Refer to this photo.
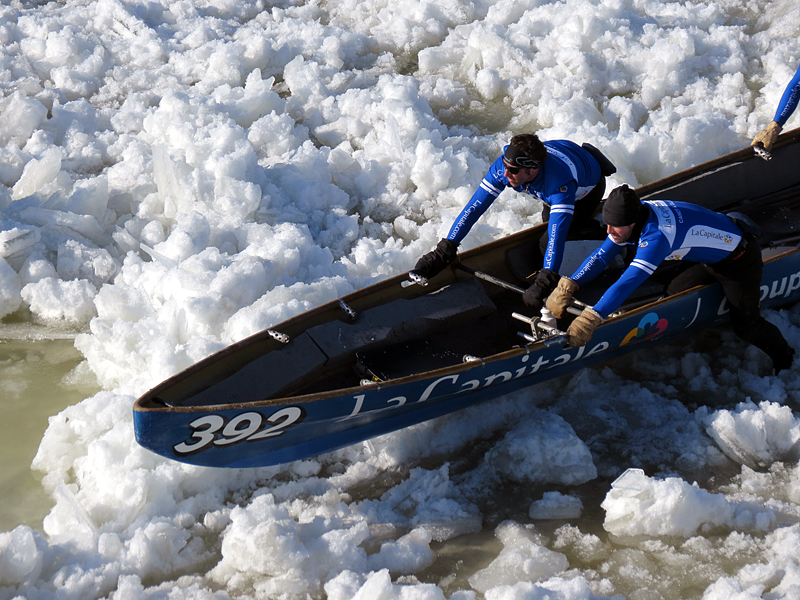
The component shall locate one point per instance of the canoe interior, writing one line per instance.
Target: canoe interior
(401, 331)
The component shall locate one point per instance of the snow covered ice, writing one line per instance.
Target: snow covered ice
(180, 174)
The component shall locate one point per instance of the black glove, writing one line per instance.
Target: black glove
(434, 262)
(545, 282)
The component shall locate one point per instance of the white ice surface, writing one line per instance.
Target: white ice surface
(177, 175)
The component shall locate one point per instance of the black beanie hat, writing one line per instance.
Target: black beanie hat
(622, 207)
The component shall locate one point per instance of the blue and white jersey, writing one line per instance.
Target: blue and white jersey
(673, 231)
(568, 173)
(789, 100)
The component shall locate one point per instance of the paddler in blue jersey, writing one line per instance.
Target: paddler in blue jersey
(663, 230)
(787, 105)
(570, 182)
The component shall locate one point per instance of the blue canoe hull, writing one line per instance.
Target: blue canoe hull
(269, 433)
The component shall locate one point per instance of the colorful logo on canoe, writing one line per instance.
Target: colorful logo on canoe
(649, 327)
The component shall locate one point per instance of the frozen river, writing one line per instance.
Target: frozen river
(177, 175)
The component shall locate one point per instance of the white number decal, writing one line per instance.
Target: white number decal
(232, 433)
(204, 437)
(216, 430)
(290, 416)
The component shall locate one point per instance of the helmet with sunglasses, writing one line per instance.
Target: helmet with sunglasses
(525, 151)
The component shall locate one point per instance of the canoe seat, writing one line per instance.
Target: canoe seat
(403, 320)
(330, 346)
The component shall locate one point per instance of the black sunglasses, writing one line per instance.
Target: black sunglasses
(514, 170)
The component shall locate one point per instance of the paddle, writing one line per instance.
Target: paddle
(514, 288)
(413, 279)
(490, 279)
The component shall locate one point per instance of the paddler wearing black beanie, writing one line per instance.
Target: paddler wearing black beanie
(721, 248)
(623, 207)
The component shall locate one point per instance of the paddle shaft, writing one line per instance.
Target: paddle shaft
(510, 286)
(491, 279)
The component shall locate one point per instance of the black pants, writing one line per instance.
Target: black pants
(741, 282)
(583, 225)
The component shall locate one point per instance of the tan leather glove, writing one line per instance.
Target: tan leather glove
(768, 136)
(561, 297)
(581, 329)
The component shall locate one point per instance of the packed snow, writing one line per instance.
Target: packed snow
(180, 174)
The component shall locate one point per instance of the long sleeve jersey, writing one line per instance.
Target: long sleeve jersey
(789, 100)
(568, 173)
(673, 231)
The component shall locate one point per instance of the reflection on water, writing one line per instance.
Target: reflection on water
(41, 373)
